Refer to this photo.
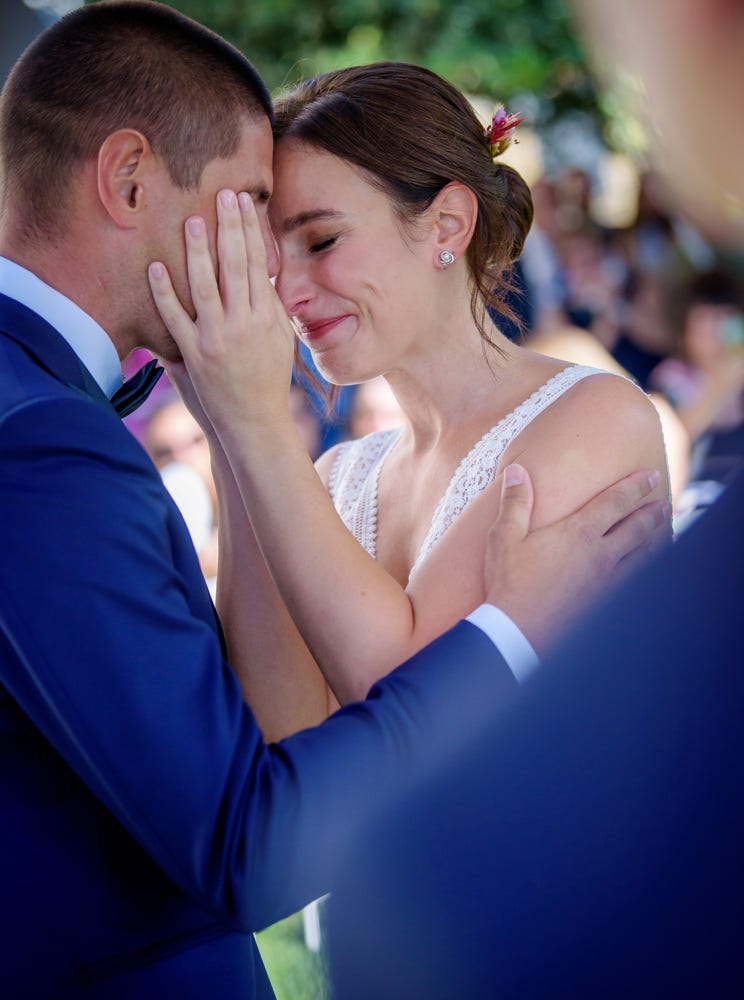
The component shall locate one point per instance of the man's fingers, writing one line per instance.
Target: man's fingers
(632, 539)
(614, 504)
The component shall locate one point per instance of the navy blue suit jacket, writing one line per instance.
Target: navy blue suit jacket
(587, 843)
(145, 828)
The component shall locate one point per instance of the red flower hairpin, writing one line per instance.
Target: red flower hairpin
(500, 133)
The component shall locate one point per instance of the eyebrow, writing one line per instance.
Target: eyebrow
(302, 218)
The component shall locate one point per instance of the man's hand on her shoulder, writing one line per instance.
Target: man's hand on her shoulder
(545, 579)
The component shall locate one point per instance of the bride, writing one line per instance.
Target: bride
(396, 226)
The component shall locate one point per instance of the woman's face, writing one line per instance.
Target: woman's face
(356, 283)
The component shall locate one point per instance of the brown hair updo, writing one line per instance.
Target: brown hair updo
(412, 133)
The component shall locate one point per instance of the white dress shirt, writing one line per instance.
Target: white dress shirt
(508, 638)
(88, 340)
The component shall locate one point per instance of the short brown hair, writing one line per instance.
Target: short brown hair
(412, 132)
(122, 64)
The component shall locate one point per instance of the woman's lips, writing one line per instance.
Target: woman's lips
(317, 328)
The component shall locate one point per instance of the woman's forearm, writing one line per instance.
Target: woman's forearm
(357, 620)
(277, 673)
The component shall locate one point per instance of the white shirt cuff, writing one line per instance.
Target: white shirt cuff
(508, 638)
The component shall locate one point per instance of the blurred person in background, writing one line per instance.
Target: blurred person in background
(544, 286)
(306, 417)
(179, 448)
(639, 331)
(374, 408)
(704, 380)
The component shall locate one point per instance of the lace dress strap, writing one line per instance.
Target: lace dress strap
(354, 480)
(477, 470)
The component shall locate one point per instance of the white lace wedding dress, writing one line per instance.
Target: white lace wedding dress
(356, 470)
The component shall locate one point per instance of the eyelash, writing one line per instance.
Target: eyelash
(260, 198)
(322, 245)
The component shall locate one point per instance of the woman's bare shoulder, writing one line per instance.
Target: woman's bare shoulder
(600, 430)
(613, 392)
(599, 404)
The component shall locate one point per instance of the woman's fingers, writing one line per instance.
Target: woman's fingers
(212, 294)
(265, 301)
(258, 274)
(232, 256)
(244, 280)
(205, 292)
(172, 313)
(239, 347)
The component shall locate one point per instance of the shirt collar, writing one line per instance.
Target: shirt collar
(88, 340)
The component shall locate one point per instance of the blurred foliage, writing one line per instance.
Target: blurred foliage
(495, 48)
(295, 972)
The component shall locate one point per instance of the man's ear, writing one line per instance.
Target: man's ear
(125, 164)
(454, 213)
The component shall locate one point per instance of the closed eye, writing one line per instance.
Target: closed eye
(323, 245)
(259, 195)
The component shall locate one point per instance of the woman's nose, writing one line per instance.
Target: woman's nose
(292, 285)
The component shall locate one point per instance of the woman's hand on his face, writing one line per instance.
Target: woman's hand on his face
(239, 349)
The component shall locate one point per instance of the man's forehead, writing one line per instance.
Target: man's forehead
(256, 156)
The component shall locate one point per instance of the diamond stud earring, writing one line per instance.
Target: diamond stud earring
(446, 257)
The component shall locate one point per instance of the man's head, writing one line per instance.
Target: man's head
(127, 64)
(120, 120)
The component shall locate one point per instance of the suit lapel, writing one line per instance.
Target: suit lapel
(48, 347)
(50, 350)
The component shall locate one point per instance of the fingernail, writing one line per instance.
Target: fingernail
(244, 199)
(653, 478)
(195, 226)
(228, 199)
(666, 511)
(157, 270)
(513, 475)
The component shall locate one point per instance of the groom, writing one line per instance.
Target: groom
(146, 828)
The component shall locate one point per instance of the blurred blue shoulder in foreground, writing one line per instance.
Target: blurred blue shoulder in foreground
(588, 843)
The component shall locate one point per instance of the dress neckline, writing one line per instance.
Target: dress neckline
(355, 478)
(561, 380)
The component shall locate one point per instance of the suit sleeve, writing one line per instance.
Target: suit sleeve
(126, 680)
